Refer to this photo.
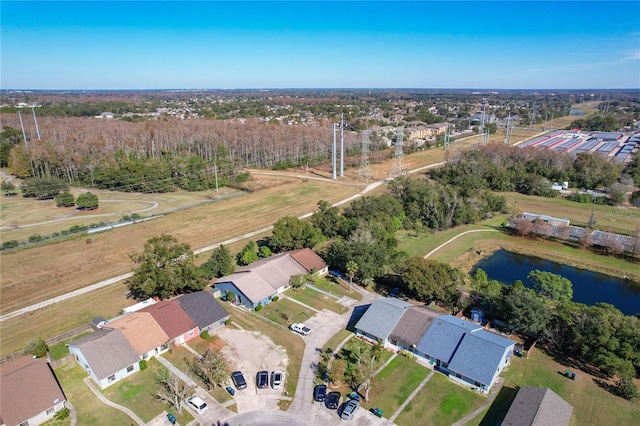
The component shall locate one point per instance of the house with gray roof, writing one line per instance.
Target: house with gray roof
(462, 350)
(106, 355)
(380, 319)
(257, 283)
(536, 406)
(204, 310)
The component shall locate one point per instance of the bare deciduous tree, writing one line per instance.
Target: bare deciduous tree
(173, 390)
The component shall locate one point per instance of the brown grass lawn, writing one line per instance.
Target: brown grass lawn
(38, 273)
(56, 319)
(315, 299)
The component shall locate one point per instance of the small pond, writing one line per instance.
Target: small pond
(588, 287)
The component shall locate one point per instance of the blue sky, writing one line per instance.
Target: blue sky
(331, 44)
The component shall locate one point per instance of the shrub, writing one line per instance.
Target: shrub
(627, 389)
(35, 238)
(258, 308)
(62, 414)
(205, 335)
(10, 244)
(65, 199)
(275, 299)
(143, 364)
(36, 347)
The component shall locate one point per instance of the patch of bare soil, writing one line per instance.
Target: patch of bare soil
(252, 351)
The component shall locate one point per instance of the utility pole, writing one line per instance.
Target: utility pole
(215, 172)
(333, 154)
(341, 145)
(36, 120)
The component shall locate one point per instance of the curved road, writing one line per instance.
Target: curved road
(114, 280)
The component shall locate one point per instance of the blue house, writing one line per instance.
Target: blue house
(464, 351)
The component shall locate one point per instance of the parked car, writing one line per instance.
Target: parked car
(262, 379)
(335, 273)
(300, 328)
(277, 379)
(349, 409)
(238, 380)
(320, 392)
(197, 403)
(332, 400)
(394, 292)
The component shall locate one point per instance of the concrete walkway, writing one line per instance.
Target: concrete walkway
(492, 395)
(72, 412)
(105, 401)
(413, 394)
(456, 237)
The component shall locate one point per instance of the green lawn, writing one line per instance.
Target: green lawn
(285, 312)
(592, 405)
(89, 409)
(441, 402)
(137, 392)
(394, 384)
(337, 287)
(315, 299)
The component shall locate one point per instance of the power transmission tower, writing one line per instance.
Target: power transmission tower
(364, 173)
(533, 115)
(507, 133)
(397, 168)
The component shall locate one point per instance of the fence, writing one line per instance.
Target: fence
(52, 341)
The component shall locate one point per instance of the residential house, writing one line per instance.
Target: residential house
(30, 393)
(173, 320)
(536, 406)
(144, 334)
(258, 283)
(461, 349)
(106, 355)
(465, 351)
(205, 311)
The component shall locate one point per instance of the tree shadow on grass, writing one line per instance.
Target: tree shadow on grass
(499, 407)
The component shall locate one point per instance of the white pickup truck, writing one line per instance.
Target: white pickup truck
(300, 328)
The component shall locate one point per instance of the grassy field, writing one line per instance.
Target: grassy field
(137, 392)
(89, 409)
(285, 312)
(61, 317)
(393, 385)
(624, 220)
(336, 287)
(440, 403)
(315, 299)
(73, 264)
(592, 405)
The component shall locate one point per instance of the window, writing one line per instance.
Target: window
(50, 411)
(190, 334)
(130, 369)
(25, 423)
(145, 356)
(111, 378)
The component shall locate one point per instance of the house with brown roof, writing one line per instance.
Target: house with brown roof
(144, 334)
(30, 393)
(258, 283)
(536, 406)
(106, 355)
(173, 320)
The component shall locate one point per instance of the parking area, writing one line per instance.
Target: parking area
(250, 352)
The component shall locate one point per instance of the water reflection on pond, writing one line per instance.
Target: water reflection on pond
(588, 287)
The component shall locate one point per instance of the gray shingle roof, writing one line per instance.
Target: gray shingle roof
(382, 316)
(535, 406)
(203, 308)
(107, 351)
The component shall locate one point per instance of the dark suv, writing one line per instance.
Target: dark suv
(262, 379)
(238, 380)
(332, 400)
(320, 392)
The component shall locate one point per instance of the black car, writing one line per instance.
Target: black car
(332, 400)
(262, 379)
(319, 393)
(238, 380)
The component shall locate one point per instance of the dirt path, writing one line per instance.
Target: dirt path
(458, 236)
